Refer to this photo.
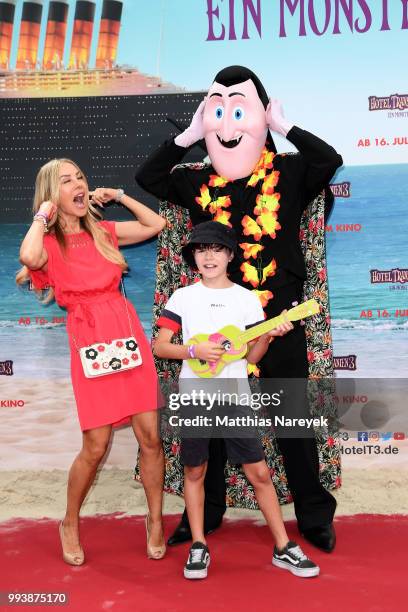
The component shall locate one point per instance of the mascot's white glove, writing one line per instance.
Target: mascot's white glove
(195, 131)
(275, 119)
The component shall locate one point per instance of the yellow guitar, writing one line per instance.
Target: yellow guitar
(234, 340)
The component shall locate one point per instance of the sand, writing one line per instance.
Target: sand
(39, 440)
(37, 494)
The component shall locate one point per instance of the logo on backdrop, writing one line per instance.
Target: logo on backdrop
(341, 190)
(393, 102)
(12, 403)
(376, 436)
(345, 362)
(396, 275)
(344, 227)
(6, 368)
(225, 19)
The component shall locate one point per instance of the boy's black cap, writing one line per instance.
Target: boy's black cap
(209, 232)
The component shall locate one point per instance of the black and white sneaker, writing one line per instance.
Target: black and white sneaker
(197, 562)
(294, 559)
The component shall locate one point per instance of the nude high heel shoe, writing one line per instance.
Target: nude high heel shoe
(76, 558)
(153, 552)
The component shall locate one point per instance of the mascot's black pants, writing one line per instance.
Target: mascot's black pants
(314, 506)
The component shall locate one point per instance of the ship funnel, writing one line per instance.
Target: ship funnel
(6, 32)
(29, 35)
(82, 34)
(55, 35)
(109, 34)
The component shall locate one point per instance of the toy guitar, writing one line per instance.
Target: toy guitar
(234, 340)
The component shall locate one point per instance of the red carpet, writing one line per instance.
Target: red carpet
(367, 571)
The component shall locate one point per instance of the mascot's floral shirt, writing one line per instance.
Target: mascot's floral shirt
(281, 236)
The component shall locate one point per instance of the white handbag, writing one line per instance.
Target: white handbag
(119, 355)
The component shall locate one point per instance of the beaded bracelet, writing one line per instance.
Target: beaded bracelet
(40, 213)
(41, 217)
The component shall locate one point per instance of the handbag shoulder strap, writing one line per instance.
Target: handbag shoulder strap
(126, 304)
(127, 312)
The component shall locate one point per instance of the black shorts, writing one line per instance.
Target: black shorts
(242, 442)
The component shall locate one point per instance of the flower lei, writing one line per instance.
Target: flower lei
(265, 222)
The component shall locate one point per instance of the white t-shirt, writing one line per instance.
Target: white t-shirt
(198, 309)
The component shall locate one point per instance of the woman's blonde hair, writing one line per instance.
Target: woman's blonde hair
(47, 187)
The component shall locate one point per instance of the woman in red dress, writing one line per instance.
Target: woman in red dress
(75, 254)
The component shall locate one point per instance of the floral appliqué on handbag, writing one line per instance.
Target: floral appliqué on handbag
(109, 357)
(117, 355)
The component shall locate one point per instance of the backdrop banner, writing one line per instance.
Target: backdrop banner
(105, 82)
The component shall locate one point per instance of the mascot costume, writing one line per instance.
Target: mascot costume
(276, 202)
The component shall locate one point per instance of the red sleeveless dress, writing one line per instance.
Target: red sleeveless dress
(86, 284)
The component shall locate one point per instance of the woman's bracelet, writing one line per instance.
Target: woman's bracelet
(40, 213)
(191, 351)
(44, 220)
(119, 195)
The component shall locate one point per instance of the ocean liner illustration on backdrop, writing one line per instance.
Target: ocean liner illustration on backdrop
(36, 74)
(62, 93)
(115, 114)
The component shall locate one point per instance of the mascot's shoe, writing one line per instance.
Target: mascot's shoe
(322, 537)
(182, 533)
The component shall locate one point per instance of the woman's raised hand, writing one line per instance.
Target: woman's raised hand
(102, 195)
(48, 208)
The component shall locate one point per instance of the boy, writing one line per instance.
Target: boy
(205, 307)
